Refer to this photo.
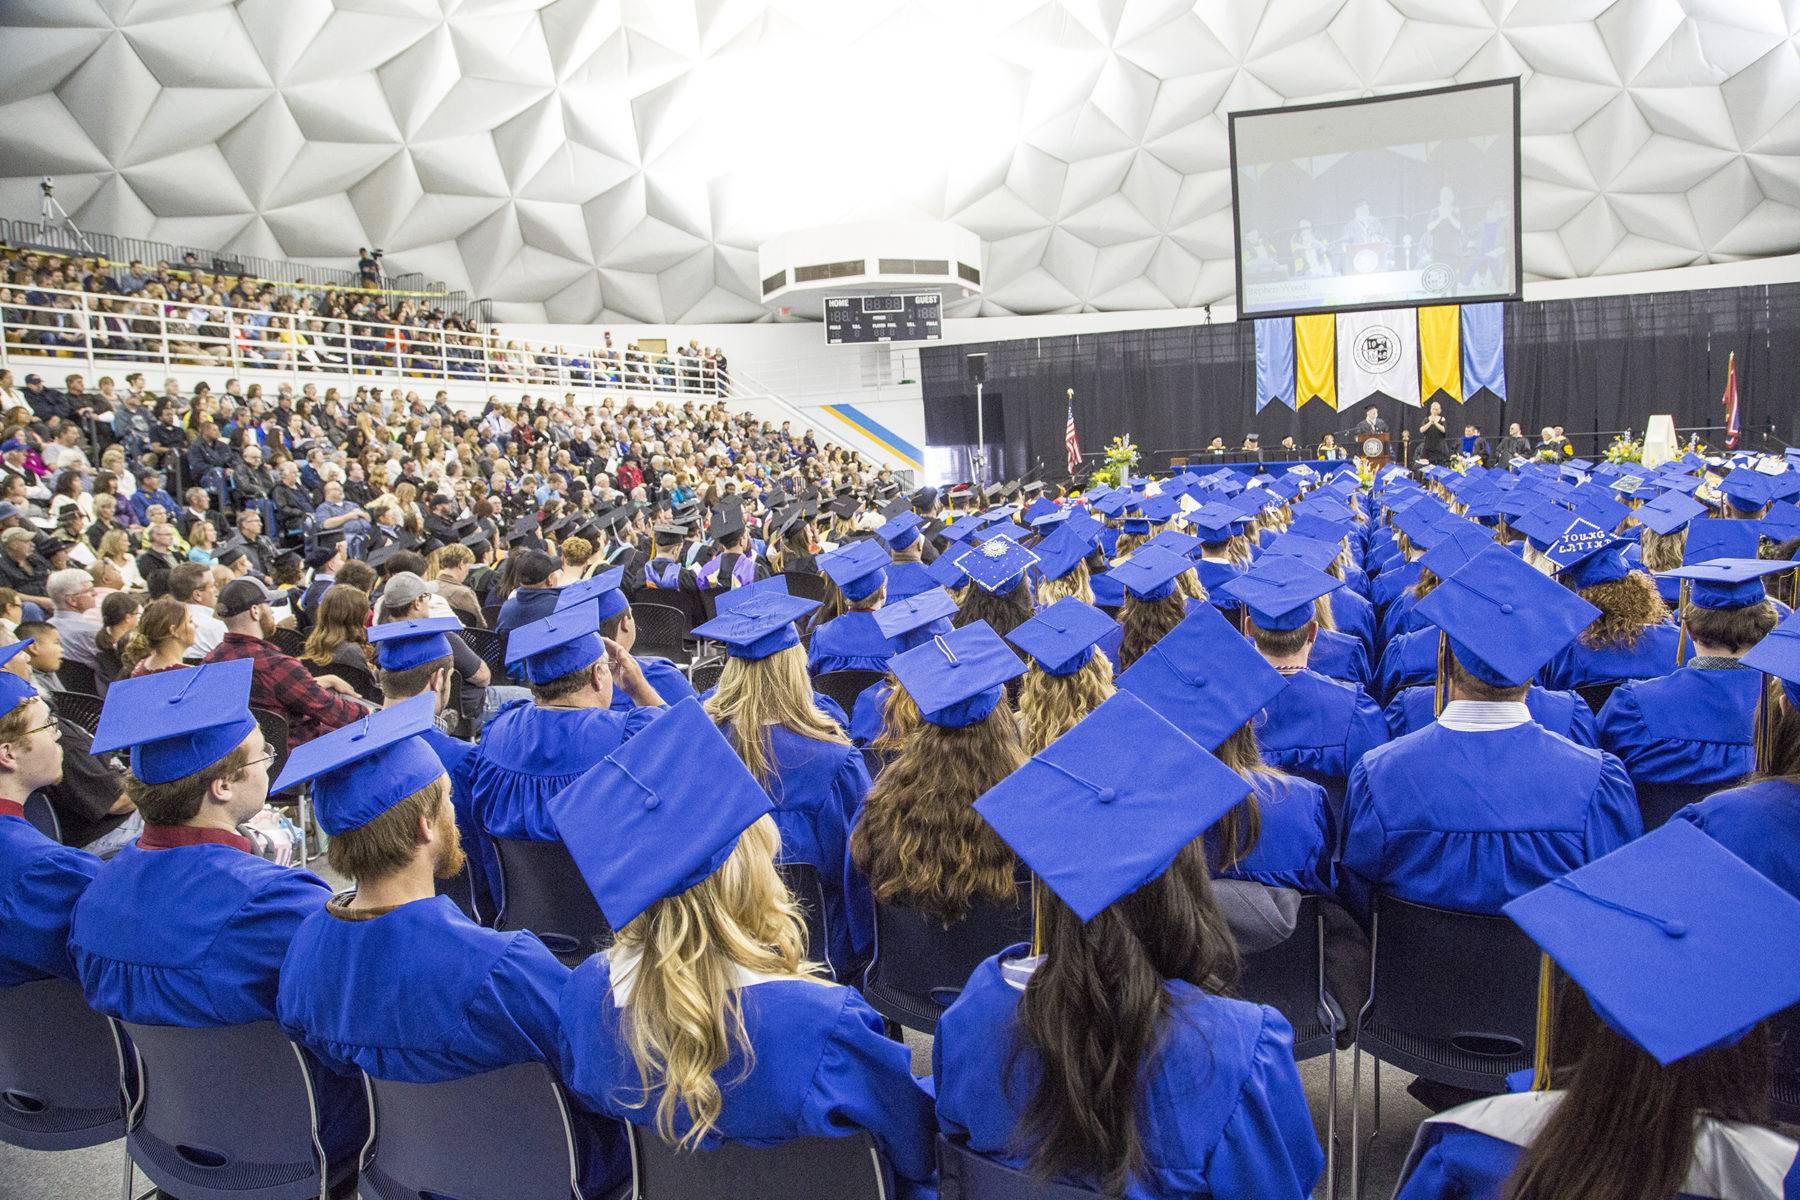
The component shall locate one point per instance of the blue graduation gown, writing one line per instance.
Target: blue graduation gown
(1354, 616)
(907, 579)
(662, 675)
(1319, 728)
(818, 789)
(40, 881)
(1409, 659)
(525, 605)
(1341, 657)
(1578, 666)
(1469, 1152)
(1760, 823)
(528, 754)
(1559, 712)
(194, 936)
(821, 1068)
(1469, 820)
(1221, 1111)
(1295, 839)
(1692, 726)
(852, 642)
(1108, 592)
(867, 721)
(484, 865)
(1386, 587)
(1401, 617)
(424, 995)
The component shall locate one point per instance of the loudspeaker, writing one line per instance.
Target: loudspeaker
(977, 364)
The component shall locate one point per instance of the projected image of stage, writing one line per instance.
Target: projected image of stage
(1390, 201)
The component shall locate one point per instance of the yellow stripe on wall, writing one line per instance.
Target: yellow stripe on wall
(1440, 351)
(1315, 359)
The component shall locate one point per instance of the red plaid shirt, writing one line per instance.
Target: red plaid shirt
(281, 684)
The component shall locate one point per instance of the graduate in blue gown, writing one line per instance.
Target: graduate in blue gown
(1315, 727)
(618, 625)
(391, 979)
(1484, 804)
(1662, 540)
(1049, 1061)
(1154, 601)
(851, 641)
(677, 842)
(1633, 638)
(1659, 1059)
(187, 926)
(907, 623)
(799, 754)
(1760, 821)
(906, 574)
(40, 880)
(999, 592)
(1071, 673)
(1693, 730)
(534, 749)
(415, 659)
(1559, 712)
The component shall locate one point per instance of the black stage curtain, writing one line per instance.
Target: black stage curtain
(1596, 366)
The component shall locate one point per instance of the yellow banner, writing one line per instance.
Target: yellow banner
(1440, 352)
(1315, 359)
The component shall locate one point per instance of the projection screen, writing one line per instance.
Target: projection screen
(1394, 200)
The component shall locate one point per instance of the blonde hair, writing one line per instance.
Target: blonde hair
(1077, 583)
(1051, 705)
(686, 1015)
(755, 694)
(900, 719)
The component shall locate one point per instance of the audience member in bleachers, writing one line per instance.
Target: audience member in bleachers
(701, 1022)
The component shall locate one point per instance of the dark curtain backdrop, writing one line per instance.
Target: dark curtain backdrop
(1596, 366)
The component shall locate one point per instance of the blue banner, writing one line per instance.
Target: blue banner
(1483, 349)
(1274, 361)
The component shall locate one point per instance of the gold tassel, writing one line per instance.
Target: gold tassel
(1540, 1067)
(1763, 706)
(1037, 921)
(1440, 687)
(1681, 637)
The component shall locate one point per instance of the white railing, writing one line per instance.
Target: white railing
(166, 335)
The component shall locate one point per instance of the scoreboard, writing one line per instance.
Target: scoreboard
(909, 318)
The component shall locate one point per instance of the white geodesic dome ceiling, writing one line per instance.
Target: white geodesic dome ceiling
(581, 160)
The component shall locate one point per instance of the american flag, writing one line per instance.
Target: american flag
(1729, 400)
(1071, 443)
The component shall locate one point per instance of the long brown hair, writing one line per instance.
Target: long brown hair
(1234, 835)
(1662, 551)
(920, 842)
(163, 618)
(755, 695)
(1077, 583)
(1146, 621)
(1628, 608)
(900, 719)
(1003, 613)
(342, 618)
(1095, 1014)
(1051, 705)
(1626, 1126)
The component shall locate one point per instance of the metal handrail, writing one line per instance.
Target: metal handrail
(153, 333)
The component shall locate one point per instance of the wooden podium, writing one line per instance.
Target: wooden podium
(1375, 447)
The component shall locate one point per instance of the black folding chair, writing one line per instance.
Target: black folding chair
(228, 1113)
(1597, 694)
(78, 677)
(706, 676)
(61, 1070)
(541, 889)
(966, 1175)
(1657, 802)
(1452, 999)
(486, 643)
(41, 816)
(846, 686)
(289, 641)
(502, 1135)
(662, 630)
(806, 585)
(920, 966)
(79, 707)
(803, 883)
(1784, 1092)
(846, 1168)
(357, 677)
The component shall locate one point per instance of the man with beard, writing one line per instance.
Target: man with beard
(312, 706)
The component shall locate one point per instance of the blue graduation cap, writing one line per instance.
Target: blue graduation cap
(365, 768)
(1673, 938)
(1668, 512)
(1061, 638)
(19, 690)
(1782, 522)
(1718, 537)
(958, 678)
(902, 531)
(604, 588)
(177, 722)
(1319, 529)
(1726, 583)
(1785, 485)
(928, 613)
(1603, 511)
(774, 585)
(1279, 592)
(1317, 554)
(1175, 542)
(962, 528)
(1112, 504)
(1205, 677)
(1123, 778)
(1505, 619)
(658, 815)
(1745, 490)
(559, 644)
(759, 625)
(943, 569)
(1064, 550)
(1544, 524)
(1150, 574)
(1677, 482)
(859, 568)
(403, 645)
(997, 565)
(1454, 548)
(1778, 654)
(1587, 556)
(1158, 510)
(1213, 523)
(1041, 508)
